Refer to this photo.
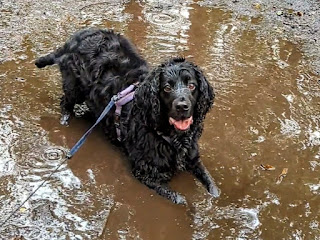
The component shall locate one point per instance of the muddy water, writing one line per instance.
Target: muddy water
(266, 112)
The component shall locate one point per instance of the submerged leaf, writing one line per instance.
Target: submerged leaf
(282, 175)
(267, 167)
(22, 209)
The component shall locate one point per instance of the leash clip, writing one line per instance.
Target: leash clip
(115, 98)
(124, 92)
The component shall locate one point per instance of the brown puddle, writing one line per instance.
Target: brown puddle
(266, 112)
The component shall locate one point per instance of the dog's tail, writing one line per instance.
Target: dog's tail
(51, 58)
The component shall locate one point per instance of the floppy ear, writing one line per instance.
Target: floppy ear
(147, 103)
(205, 98)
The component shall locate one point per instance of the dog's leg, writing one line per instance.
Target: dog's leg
(69, 99)
(202, 174)
(165, 191)
(66, 110)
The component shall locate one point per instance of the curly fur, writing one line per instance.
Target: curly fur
(96, 64)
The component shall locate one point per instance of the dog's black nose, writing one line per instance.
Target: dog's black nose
(182, 107)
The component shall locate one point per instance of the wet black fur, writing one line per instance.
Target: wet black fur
(96, 64)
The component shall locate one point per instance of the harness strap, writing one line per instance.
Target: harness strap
(126, 91)
(124, 100)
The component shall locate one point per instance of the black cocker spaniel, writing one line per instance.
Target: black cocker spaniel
(161, 126)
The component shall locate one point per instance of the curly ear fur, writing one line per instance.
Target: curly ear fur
(147, 99)
(206, 96)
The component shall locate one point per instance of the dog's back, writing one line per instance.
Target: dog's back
(95, 64)
(92, 42)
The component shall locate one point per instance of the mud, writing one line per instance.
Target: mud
(262, 58)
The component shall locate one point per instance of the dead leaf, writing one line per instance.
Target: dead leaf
(257, 6)
(300, 14)
(282, 175)
(22, 209)
(267, 167)
(284, 171)
(18, 238)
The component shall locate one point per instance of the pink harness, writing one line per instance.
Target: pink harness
(124, 97)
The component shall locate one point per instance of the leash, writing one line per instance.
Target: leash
(129, 91)
(81, 141)
(76, 147)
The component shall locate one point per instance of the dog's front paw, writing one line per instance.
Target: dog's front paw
(64, 119)
(179, 199)
(214, 190)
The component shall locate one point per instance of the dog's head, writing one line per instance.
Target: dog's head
(176, 94)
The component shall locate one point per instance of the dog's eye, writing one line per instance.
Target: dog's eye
(191, 86)
(167, 88)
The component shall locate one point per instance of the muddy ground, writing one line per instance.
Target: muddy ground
(262, 57)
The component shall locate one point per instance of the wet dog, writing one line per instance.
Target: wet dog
(161, 126)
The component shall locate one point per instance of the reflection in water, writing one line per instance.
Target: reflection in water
(266, 112)
(222, 52)
(168, 27)
(96, 14)
(51, 212)
(7, 138)
(209, 217)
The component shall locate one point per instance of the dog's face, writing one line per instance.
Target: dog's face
(176, 94)
(179, 90)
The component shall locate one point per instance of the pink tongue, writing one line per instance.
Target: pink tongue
(182, 124)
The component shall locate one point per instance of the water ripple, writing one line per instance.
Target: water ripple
(162, 18)
(97, 13)
(54, 154)
(168, 31)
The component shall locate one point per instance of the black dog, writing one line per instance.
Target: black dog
(160, 128)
